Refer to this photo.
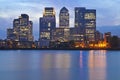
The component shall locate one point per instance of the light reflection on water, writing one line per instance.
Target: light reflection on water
(97, 65)
(55, 61)
(56, 65)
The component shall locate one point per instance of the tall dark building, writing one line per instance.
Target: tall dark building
(90, 24)
(79, 17)
(22, 29)
(64, 18)
(47, 24)
(85, 21)
(79, 24)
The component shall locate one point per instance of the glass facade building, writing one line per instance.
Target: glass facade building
(47, 24)
(85, 21)
(64, 18)
(22, 29)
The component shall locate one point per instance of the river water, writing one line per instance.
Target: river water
(59, 65)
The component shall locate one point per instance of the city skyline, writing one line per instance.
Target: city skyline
(83, 35)
(105, 14)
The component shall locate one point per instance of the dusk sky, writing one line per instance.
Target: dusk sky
(108, 11)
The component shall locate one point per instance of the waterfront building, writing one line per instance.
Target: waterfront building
(85, 21)
(79, 18)
(90, 25)
(47, 24)
(61, 35)
(22, 29)
(75, 35)
(64, 18)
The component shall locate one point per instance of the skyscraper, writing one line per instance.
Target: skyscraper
(90, 25)
(64, 18)
(79, 17)
(85, 21)
(22, 29)
(79, 24)
(47, 24)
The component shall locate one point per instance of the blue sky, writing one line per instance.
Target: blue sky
(108, 11)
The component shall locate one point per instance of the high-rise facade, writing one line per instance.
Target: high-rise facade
(90, 25)
(79, 18)
(61, 34)
(22, 29)
(85, 21)
(64, 18)
(47, 24)
(75, 35)
(79, 32)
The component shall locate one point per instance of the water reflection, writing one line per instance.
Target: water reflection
(97, 65)
(60, 66)
(55, 61)
(53, 65)
(62, 61)
(81, 61)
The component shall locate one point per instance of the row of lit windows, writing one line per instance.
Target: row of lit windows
(64, 14)
(90, 24)
(45, 35)
(90, 37)
(89, 30)
(90, 16)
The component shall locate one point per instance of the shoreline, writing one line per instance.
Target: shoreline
(59, 48)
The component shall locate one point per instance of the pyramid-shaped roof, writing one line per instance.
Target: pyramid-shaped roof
(64, 9)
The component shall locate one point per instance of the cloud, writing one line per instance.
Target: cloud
(107, 10)
(35, 8)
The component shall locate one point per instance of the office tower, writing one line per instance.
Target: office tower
(79, 24)
(79, 17)
(61, 34)
(47, 24)
(90, 25)
(64, 18)
(85, 21)
(22, 29)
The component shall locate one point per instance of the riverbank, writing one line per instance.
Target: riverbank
(59, 48)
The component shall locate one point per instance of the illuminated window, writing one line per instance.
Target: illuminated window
(90, 16)
(66, 30)
(90, 24)
(45, 35)
(89, 31)
(76, 24)
(49, 24)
